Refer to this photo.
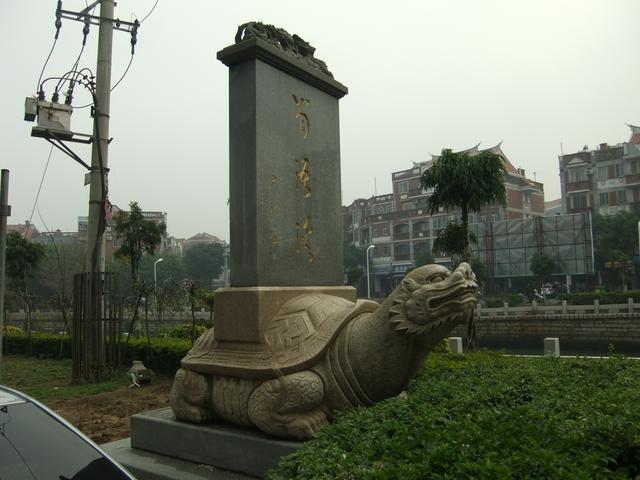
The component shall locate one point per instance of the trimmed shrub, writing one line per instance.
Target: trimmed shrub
(486, 416)
(513, 299)
(166, 353)
(13, 330)
(184, 331)
(605, 298)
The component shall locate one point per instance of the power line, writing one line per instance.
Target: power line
(45, 62)
(150, 12)
(35, 203)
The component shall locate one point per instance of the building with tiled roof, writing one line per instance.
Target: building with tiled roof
(398, 225)
(26, 229)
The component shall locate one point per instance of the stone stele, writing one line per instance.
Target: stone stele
(291, 343)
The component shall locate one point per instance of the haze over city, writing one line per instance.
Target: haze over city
(422, 76)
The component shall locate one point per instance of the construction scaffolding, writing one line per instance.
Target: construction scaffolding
(508, 246)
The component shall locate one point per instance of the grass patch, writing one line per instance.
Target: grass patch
(47, 380)
(486, 416)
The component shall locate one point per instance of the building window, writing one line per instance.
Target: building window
(634, 166)
(604, 199)
(617, 170)
(578, 174)
(403, 187)
(579, 201)
(602, 173)
(408, 206)
(381, 251)
(621, 197)
(526, 197)
(380, 231)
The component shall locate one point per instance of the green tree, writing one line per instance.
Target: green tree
(22, 258)
(453, 240)
(206, 298)
(479, 269)
(616, 239)
(203, 262)
(172, 267)
(138, 236)
(354, 260)
(424, 258)
(542, 266)
(459, 180)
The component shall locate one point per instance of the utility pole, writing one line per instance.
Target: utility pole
(94, 261)
(5, 211)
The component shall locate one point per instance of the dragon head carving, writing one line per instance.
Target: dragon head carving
(432, 296)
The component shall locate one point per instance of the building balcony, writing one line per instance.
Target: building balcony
(421, 234)
(401, 236)
(402, 256)
(612, 210)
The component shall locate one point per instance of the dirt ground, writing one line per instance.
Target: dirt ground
(105, 417)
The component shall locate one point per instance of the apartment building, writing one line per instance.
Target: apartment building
(604, 181)
(399, 226)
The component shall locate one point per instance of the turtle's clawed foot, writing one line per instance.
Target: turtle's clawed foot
(191, 397)
(303, 426)
(289, 406)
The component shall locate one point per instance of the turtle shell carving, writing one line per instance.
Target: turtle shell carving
(292, 340)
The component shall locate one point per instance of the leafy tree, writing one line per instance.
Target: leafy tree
(616, 239)
(22, 258)
(479, 269)
(453, 240)
(354, 260)
(542, 266)
(459, 180)
(138, 236)
(172, 267)
(203, 262)
(424, 258)
(207, 299)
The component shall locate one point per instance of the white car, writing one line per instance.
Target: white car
(37, 444)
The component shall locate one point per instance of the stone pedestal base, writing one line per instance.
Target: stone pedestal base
(241, 312)
(220, 445)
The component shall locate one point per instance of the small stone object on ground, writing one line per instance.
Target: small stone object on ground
(140, 374)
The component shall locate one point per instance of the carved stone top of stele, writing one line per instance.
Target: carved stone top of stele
(293, 45)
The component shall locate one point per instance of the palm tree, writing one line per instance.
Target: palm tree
(459, 180)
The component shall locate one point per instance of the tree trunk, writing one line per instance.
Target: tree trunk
(193, 320)
(466, 255)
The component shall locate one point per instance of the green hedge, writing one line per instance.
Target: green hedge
(486, 416)
(166, 352)
(605, 298)
(497, 301)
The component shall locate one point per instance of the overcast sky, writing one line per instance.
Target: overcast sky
(422, 76)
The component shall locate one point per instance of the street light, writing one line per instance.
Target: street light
(225, 256)
(369, 248)
(155, 279)
(639, 238)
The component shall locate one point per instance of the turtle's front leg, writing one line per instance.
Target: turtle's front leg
(289, 406)
(190, 397)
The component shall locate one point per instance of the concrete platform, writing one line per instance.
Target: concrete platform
(153, 466)
(221, 445)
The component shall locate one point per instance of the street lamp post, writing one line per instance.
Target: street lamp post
(225, 255)
(155, 277)
(639, 238)
(369, 248)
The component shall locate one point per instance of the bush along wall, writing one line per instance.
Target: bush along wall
(166, 353)
(486, 416)
(605, 298)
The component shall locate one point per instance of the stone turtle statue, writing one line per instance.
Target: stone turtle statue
(321, 353)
